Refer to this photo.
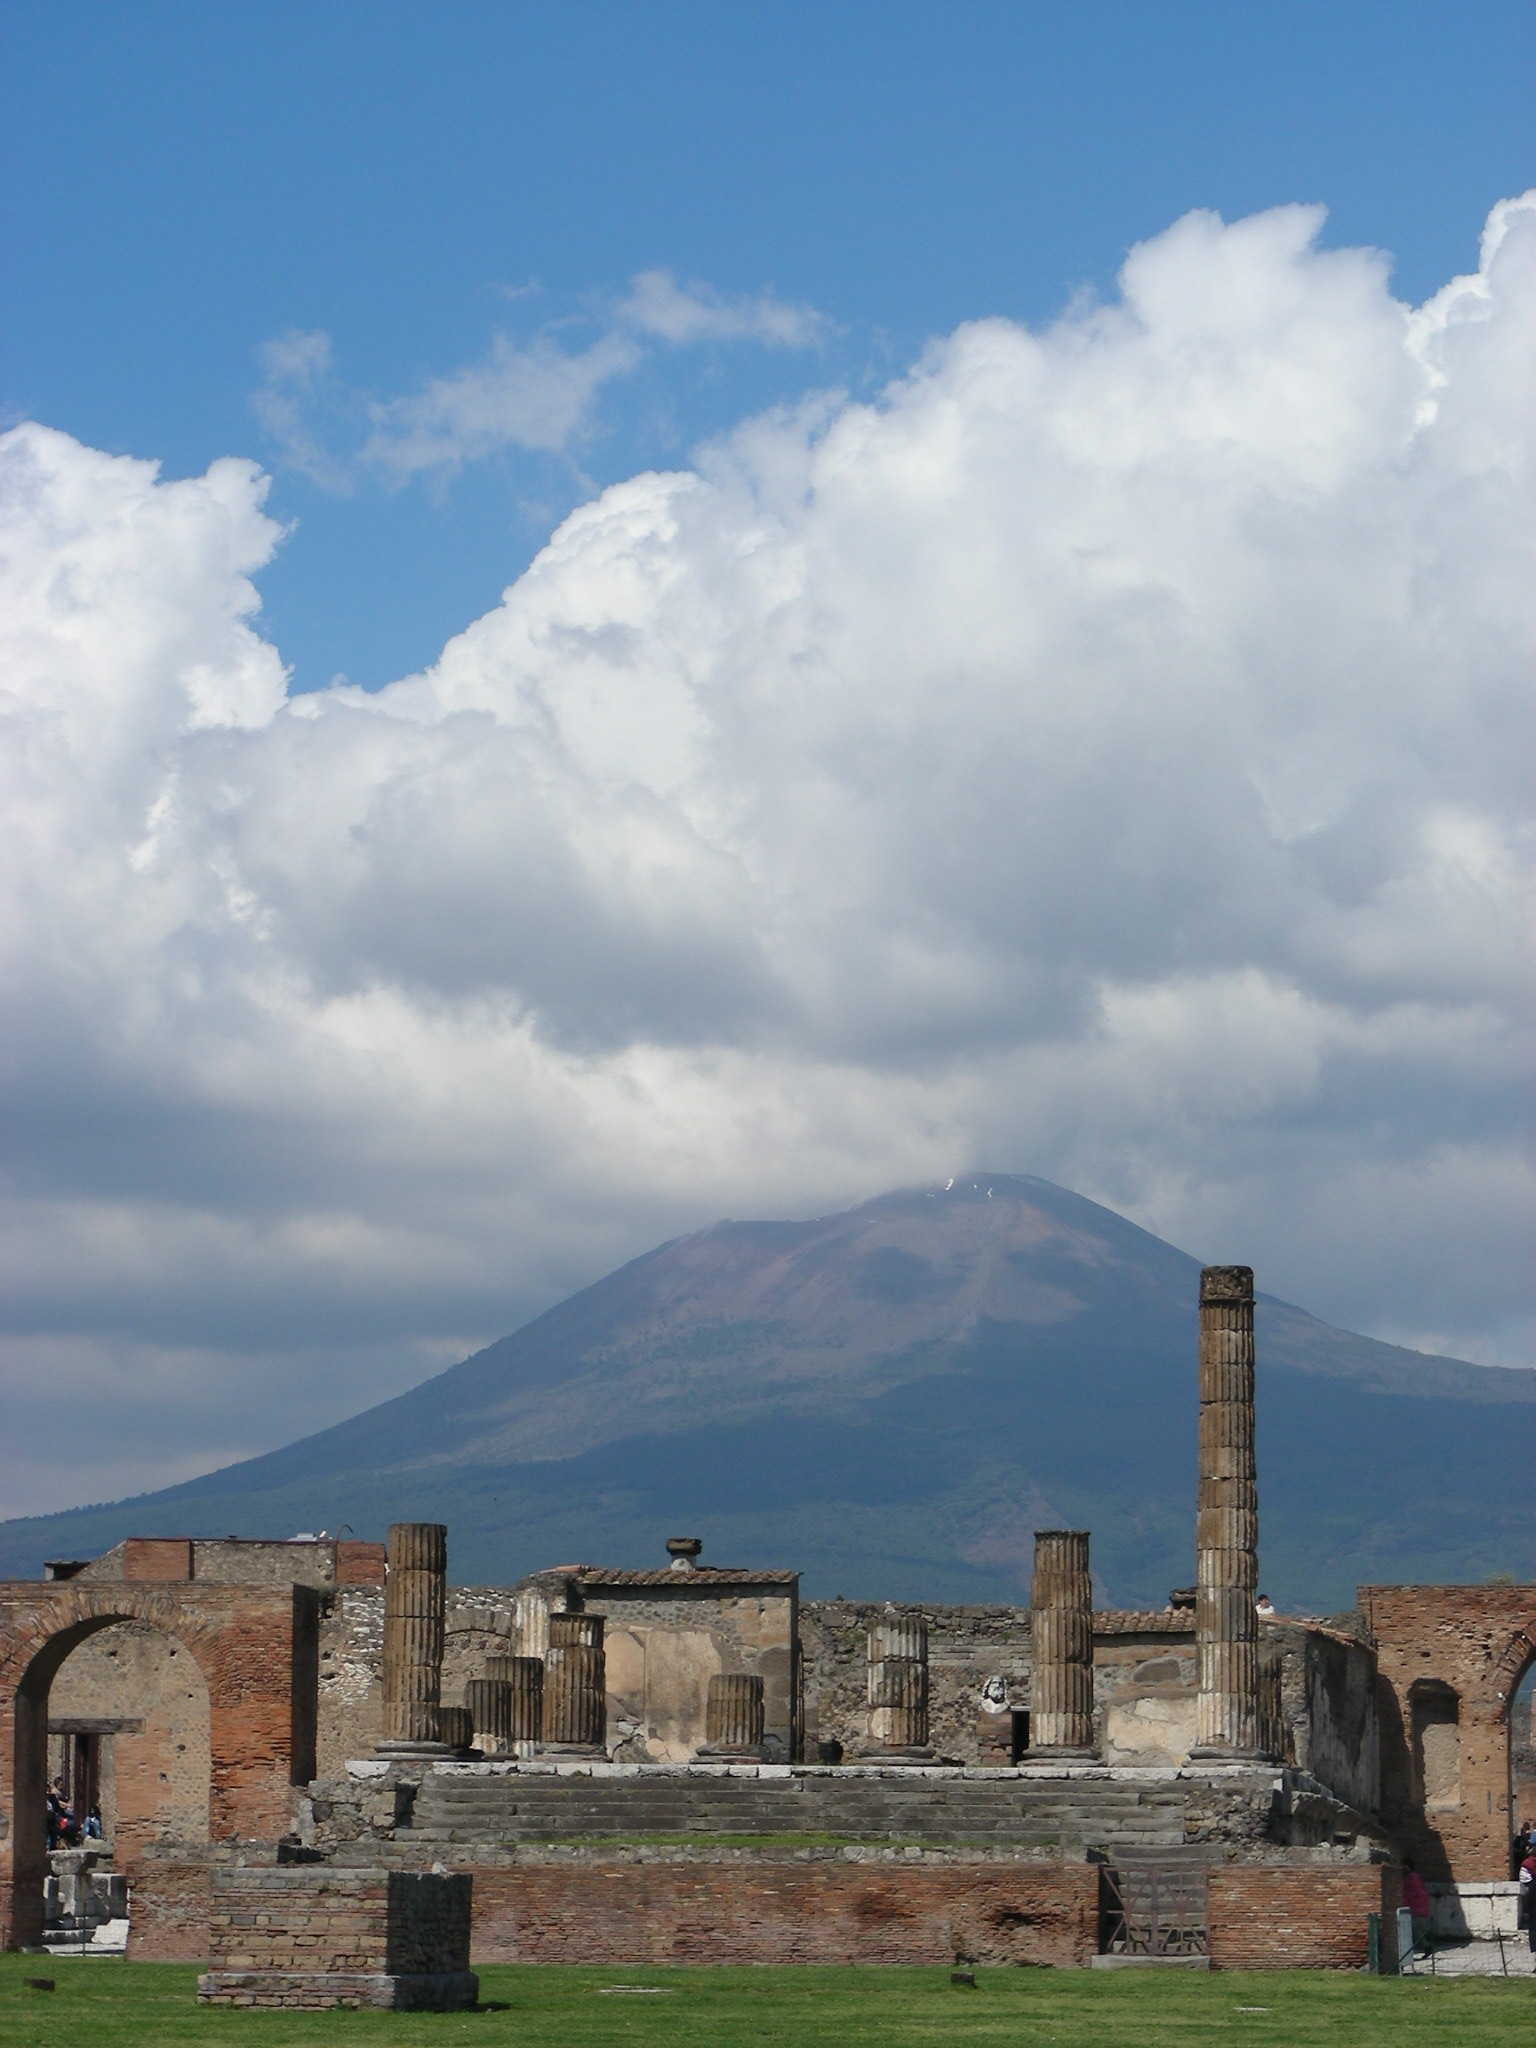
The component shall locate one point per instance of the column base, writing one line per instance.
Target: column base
(412, 1752)
(1059, 1756)
(909, 1753)
(1227, 1753)
(732, 1753)
(589, 1752)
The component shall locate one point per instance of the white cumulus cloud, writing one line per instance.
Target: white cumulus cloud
(1105, 755)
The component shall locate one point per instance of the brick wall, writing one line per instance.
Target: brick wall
(242, 1639)
(310, 1918)
(157, 1558)
(1461, 1651)
(1312, 1917)
(168, 1910)
(759, 1910)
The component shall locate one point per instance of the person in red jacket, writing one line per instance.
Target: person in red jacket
(1416, 1899)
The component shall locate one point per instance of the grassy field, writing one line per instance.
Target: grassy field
(106, 2003)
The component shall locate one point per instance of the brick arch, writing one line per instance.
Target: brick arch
(1516, 1659)
(1478, 1641)
(255, 1648)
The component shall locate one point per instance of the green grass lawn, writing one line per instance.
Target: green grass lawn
(104, 2003)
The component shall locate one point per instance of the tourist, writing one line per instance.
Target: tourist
(92, 1829)
(1264, 1608)
(1527, 1907)
(1416, 1899)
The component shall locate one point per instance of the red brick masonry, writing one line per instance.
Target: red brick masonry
(761, 1910)
(1266, 1917)
(786, 1912)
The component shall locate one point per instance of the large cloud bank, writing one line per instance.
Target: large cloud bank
(1107, 756)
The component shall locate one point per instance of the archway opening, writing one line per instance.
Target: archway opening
(128, 1726)
(178, 1711)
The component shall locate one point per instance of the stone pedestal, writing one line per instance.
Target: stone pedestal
(897, 1685)
(733, 1715)
(1061, 1649)
(574, 1714)
(415, 1591)
(1227, 1522)
(317, 1937)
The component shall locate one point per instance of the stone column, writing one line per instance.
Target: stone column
(415, 1591)
(456, 1725)
(524, 1680)
(574, 1711)
(1227, 1521)
(488, 1702)
(733, 1714)
(898, 1681)
(1061, 1648)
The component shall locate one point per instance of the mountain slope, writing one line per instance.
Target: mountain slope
(892, 1399)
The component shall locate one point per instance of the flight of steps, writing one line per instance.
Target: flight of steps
(1064, 1816)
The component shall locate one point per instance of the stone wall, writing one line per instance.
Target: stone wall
(1311, 1917)
(967, 1646)
(662, 1647)
(978, 1676)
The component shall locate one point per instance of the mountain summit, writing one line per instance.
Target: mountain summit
(892, 1399)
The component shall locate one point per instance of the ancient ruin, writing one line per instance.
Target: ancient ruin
(332, 1726)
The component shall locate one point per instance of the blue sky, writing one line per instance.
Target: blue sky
(188, 182)
(1016, 526)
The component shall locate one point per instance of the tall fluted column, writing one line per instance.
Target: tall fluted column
(1227, 1520)
(897, 1681)
(1061, 1647)
(415, 1591)
(575, 1682)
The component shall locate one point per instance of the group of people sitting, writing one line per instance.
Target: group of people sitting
(65, 1829)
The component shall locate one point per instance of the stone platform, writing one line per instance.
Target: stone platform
(1056, 1812)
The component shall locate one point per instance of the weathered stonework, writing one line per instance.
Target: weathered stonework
(896, 1684)
(1061, 1623)
(1227, 1519)
(414, 1602)
(734, 1717)
(313, 1937)
(256, 1650)
(1449, 1661)
(574, 1685)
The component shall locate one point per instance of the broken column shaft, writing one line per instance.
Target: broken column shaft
(574, 1710)
(1227, 1520)
(488, 1702)
(415, 1592)
(524, 1680)
(1061, 1647)
(733, 1712)
(897, 1681)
